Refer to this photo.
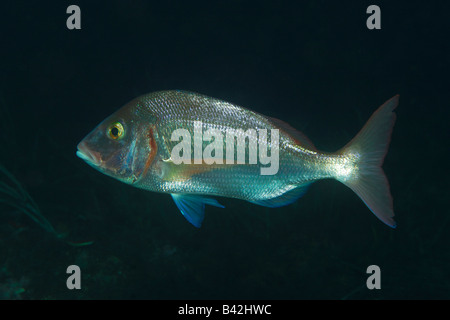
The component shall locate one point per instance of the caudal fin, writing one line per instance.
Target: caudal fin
(370, 147)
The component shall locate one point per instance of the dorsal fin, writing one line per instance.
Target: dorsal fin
(298, 136)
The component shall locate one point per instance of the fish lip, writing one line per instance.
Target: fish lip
(87, 155)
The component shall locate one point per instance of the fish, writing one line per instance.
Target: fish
(178, 142)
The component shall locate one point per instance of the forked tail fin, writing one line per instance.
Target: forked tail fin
(370, 145)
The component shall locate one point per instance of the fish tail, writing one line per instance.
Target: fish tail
(369, 148)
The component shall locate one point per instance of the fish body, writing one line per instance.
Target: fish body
(197, 147)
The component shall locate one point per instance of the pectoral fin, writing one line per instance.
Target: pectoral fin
(193, 206)
(183, 172)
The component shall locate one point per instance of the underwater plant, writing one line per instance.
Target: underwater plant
(13, 194)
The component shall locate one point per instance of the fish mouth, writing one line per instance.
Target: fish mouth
(91, 157)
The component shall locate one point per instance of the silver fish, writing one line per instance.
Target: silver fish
(140, 145)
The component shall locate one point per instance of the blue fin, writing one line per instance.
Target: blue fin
(193, 206)
(285, 199)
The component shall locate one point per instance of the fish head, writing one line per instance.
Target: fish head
(121, 145)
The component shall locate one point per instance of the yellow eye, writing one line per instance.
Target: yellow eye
(116, 131)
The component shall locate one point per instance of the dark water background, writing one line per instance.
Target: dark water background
(313, 64)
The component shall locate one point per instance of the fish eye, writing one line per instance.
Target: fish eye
(116, 131)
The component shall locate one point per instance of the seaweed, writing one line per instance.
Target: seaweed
(13, 194)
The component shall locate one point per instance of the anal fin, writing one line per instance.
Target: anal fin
(285, 199)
